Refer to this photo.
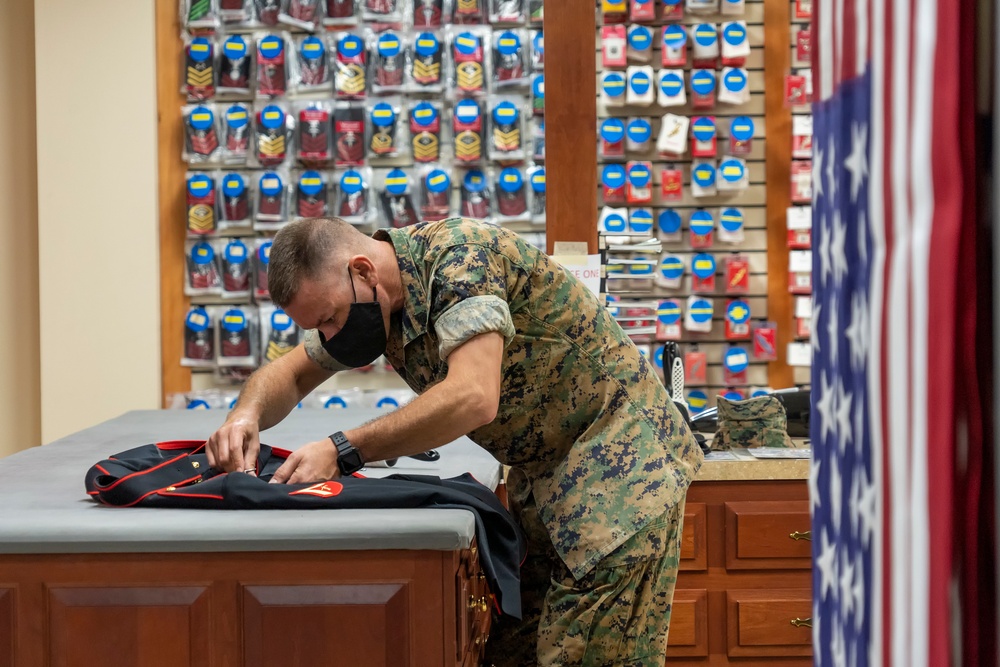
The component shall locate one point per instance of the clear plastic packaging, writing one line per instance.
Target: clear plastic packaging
(470, 53)
(704, 46)
(236, 134)
(435, 193)
(262, 258)
(476, 197)
(673, 138)
(426, 63)
(536, 12)
(536, 178)
(507, 12)
(234, 211)
(469, 12)
(278, 333)
(238, 338)
(538, 94)
(314, 147)
(272, 65)
(468, 125)
(267, 11)
(273, 128)
(670, 88)
(612, 89)
(507, 135)
(537, 50)
(353, 203)
(430, 13)
(387, 55)
(510, 58)
(734, 87)
(386, 129)
(383, 12)
(311, 195)
(349, 134)
(425, 131)
(538, 139)
(310, 67)
(341, 13)
(201, 203)
(271, 211)
(735, 46)
(236, 265)
(640, 45)
(350, 79)
(638, 136)
(302, 14)
(200, 16)
(199, 338)
(235, 12)
(640, 86)
(512, 195)
(234, 68)
(611, 138)
(396, 199)
(202, 273)
(201, 135)
(199, 69)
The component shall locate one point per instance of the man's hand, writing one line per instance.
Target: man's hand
(315, 462)
(234, 447)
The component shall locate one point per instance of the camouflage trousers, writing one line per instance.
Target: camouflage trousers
(616, 615)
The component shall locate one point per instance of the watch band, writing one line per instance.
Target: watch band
(349, 458)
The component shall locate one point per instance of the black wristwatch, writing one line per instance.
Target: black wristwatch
(348, 456)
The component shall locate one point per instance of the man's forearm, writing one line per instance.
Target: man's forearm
(273, 391)
(435, 418)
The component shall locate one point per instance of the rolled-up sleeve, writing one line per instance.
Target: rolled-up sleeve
(469, 296)
(316, 352)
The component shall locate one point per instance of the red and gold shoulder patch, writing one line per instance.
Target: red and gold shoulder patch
(322, 490)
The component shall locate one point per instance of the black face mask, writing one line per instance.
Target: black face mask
(362, 339)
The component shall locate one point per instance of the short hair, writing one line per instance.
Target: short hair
(303, 249)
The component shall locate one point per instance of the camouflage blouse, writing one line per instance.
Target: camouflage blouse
(582, 414)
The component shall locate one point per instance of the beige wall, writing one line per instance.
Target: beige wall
(97, 223)
(19, 381)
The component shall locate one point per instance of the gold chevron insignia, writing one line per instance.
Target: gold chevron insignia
(470, 76)
(201, 218)
(468, 5)
(275, 146)
(351, 79)
(196, 77)
(381, 143)
(507, 141)
(276, 350)
(467, 146)
(426, 71)
(425, 146)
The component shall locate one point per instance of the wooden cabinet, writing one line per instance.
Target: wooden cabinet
(743, 594)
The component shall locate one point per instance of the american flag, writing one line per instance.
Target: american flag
(891, 216)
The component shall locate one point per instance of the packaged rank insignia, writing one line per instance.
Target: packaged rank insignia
(703, 273)
(262, 258)
(236, 134)
(467, 123)
(512, 195)
(235, 12)
(311, 74)
(671, 271)
(703, 84)
(384, 13)
(640, 221)
(468, 12)
(304, 14)
(396, 200)
(315, 134)
(735, 88)
(731, 225)
(704, 46)
(202, 275)
(703, 6)
(741, 130)
(199, 69)
(613, 184)
(674, 52)
(699, 313)
(425, 131)
(668, 320)
(733, 7)
(201, 134)
(272, 201)
(765, 341)
(476, 201)
(703, 137)
(733, 175)
(802, 133)
(735, 44)
(235, 209)
(538, 139)
(429, 13)
(349, 77)
(798, 220)
(341, 13)
(614, 11)
(538, 95)
(237, 337)
(507, 12)
(536, 12)
(669, 225)
(267, 11)
(468, 56)
(639, 176)
(613, 221)
(642, 10)
(272, 134)
(199, 339)
(613, 42)
(612, 89)
(695, 367)
(737, 270)
(311, 195)
(388, 62)
(279, 334)
(703, 178)
(673, 10)
(803, 46)
(506, 130)
(702, 226)
(801, 178)
(735, 363)
(673, 138)
(671, 184)
(349, 134)
(670, 88)
(638, 136)
(234, 68)
(236, 269)
(536, 177)
(272, 70)
(201, 217)
(200, 17)
(640, 86)
(386, 129)
(426, 60)
(435, 195)
(537, 50)
(640, 44)
(353, 188)
(510, 59)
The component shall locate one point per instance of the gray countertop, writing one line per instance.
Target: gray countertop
(44, 507)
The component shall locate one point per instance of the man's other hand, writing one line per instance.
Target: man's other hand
(315, 462)
(234, 447)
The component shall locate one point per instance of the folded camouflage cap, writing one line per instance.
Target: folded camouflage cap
(756, 422)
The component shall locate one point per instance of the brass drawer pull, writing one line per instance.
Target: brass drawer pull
(802, 622)
(807, 535)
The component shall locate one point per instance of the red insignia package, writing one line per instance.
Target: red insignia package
(199, 69)
(388, 59)
(310, 195)
(271, 146)
(425, 131)
(801, 174)
(349, 134)
(200, 204)
(315, 144)
(396, 200)
(349, 78)
(737, 274)
(272, 201)
(476, 200)
(234, 68)
(467, 123)
(235, 209)
(353, 195)
(468, 56)
(435, 200)
(202, 274)
(201, 135)
(272, 73)
(512, 194)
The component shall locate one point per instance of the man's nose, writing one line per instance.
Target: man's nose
(328, 329)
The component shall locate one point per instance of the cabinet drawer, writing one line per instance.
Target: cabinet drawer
(688, 624)
(768, 535)
(769, 623)
(694, 542)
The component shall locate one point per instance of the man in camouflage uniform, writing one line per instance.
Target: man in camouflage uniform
(506, 347)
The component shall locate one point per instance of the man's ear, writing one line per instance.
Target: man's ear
(365, 268)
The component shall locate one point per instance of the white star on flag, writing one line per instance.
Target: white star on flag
(857, 162)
